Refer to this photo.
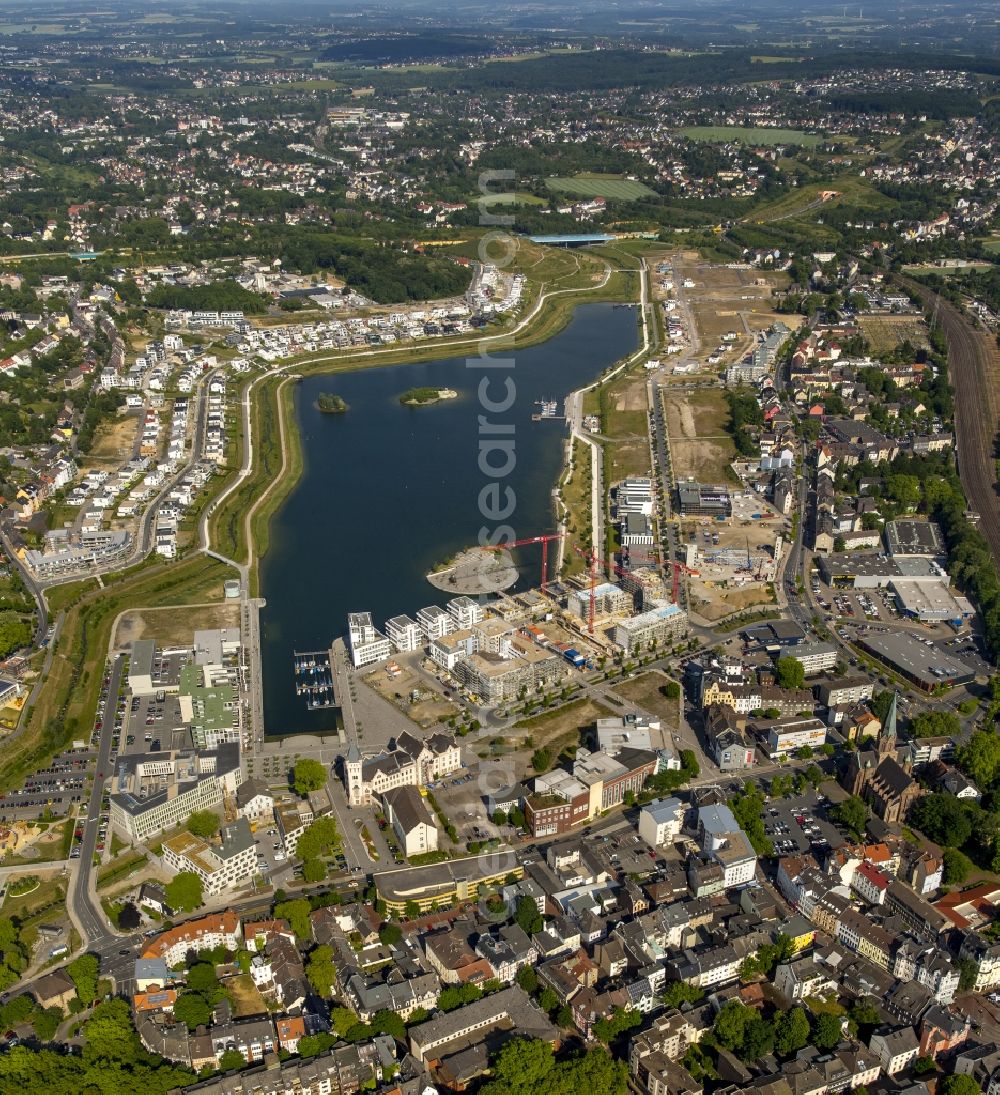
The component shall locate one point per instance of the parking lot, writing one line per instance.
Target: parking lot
(460, 797)
(58, 788)
(153, 723)
(800, 825)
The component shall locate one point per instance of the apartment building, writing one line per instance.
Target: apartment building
(221, 866)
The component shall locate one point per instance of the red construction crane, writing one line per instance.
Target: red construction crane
(589, 556)
(678, 567)
(543, 540)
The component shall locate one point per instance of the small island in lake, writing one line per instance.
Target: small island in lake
(423, 397)
(330, 404)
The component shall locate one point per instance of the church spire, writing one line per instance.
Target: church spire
(887, 736)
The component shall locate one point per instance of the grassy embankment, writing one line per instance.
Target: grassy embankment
(574, 490)
(65, 708)
(270, 480)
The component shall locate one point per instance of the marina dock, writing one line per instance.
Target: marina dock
(314, 678)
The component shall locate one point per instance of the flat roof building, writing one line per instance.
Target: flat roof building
(931, 601)
(871, 570)
(703, 500)
(924, 666)
(909, 537)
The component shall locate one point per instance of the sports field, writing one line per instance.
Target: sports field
(599, 186)
(717, 134)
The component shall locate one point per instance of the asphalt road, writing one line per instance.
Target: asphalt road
(84, 901)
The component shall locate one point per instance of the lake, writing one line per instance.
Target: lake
(388, 491)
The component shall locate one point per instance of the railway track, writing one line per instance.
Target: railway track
(970, 354)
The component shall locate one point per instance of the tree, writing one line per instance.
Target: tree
(311, 1045)
(231, 1060)
(680, 992)
(957, 866)
(390, 934)
(541, 759)
(527, 979)
(313, 870)
(320, 971)
(672, 690)
(621, 1020)
(192, 1009)
(46, 1023)
(968, 973)
(318, 840)
(388, 1022)
(943, 818)
(980, 756)
(547, 999)
(342, 1019)
(203, 823)
(790, 672)
(516, 817)
(202, 979)
(791, 1032)
(309, 775)
(184, 892)
(457, 996)
(922, 1065)
(527, 915)
(852, 813)
(522, 1065)
(499, 818)
(296, 912)
(960, 1085)
(827, 1030)
(129, 917)
(411, 910)
(84, 972)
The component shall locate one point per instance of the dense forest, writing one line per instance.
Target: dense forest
(383, 274)
(220, 296)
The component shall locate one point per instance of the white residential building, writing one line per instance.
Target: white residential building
(661, 821)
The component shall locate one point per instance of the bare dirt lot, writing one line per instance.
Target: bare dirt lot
(247, 1000)
(174, 626)
(113, 443)
(429, 709)
(696, 425)
(725, 300)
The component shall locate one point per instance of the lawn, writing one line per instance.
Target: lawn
(718, 134)
(556, 729)
(885, 333)
(246, 999)
(119, 869)
(521, 197)
(599, 186)
(49, 892)
(646, 690)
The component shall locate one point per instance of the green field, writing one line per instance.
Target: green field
(599, 186)
(508, 198)
(717, 134)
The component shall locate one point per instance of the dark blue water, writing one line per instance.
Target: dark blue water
(387, 491)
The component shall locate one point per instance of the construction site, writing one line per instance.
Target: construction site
(731, 563)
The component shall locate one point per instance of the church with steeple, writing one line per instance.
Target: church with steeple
(876, 775)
